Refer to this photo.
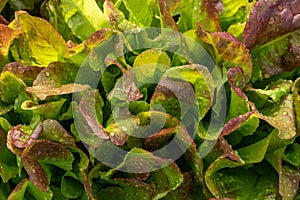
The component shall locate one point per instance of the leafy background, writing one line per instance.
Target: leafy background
(256, 47)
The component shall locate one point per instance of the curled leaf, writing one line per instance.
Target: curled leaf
(90, 104)
(50, 110)
(22, 136)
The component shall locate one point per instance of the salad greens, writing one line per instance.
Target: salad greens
(54, 126)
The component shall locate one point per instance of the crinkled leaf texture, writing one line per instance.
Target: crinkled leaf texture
(272, 33)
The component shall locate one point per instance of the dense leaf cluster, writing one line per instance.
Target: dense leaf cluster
(44, 132)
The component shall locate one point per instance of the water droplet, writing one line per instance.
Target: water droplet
(271, 20)
(35, 82)
(294, 181)
(9, 67)
(21, 70)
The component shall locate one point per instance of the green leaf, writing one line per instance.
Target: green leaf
(237, 30)
(56, 74)
(2, 4)
(174, 179)
(133, 189)
(140, 14)
(116, 18)
(5, 190)
(184, 191)
(21, 4)
(10, 87)
(292, 154)
(281, 116)
(202, 11)
(150, 65)
(266, 187)
(234, 12)
(55, 17)
(39, 37)
(70, 186)
(8, 162)
(54, 131)
(49, 110)
(296, 96)
(230, 184)
(82, 17)
(274, 92)
(27, 190)
(57, 193)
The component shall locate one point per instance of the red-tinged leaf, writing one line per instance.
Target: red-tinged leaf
(90, 104)
(228, 151)
(166, 18)
(26, 73)
(288, 182)
(235, 123)
(7, 37)
(43, 92)
(21, 136)
(159, 139)
(116, 134)
(3, 20)
(270, 19)
(97, 38)
(231, 126)
(236, 80)
(37, 174)
(227, 50)
(125, 89)
(49, 152)
(273, 34)
(54, 131)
